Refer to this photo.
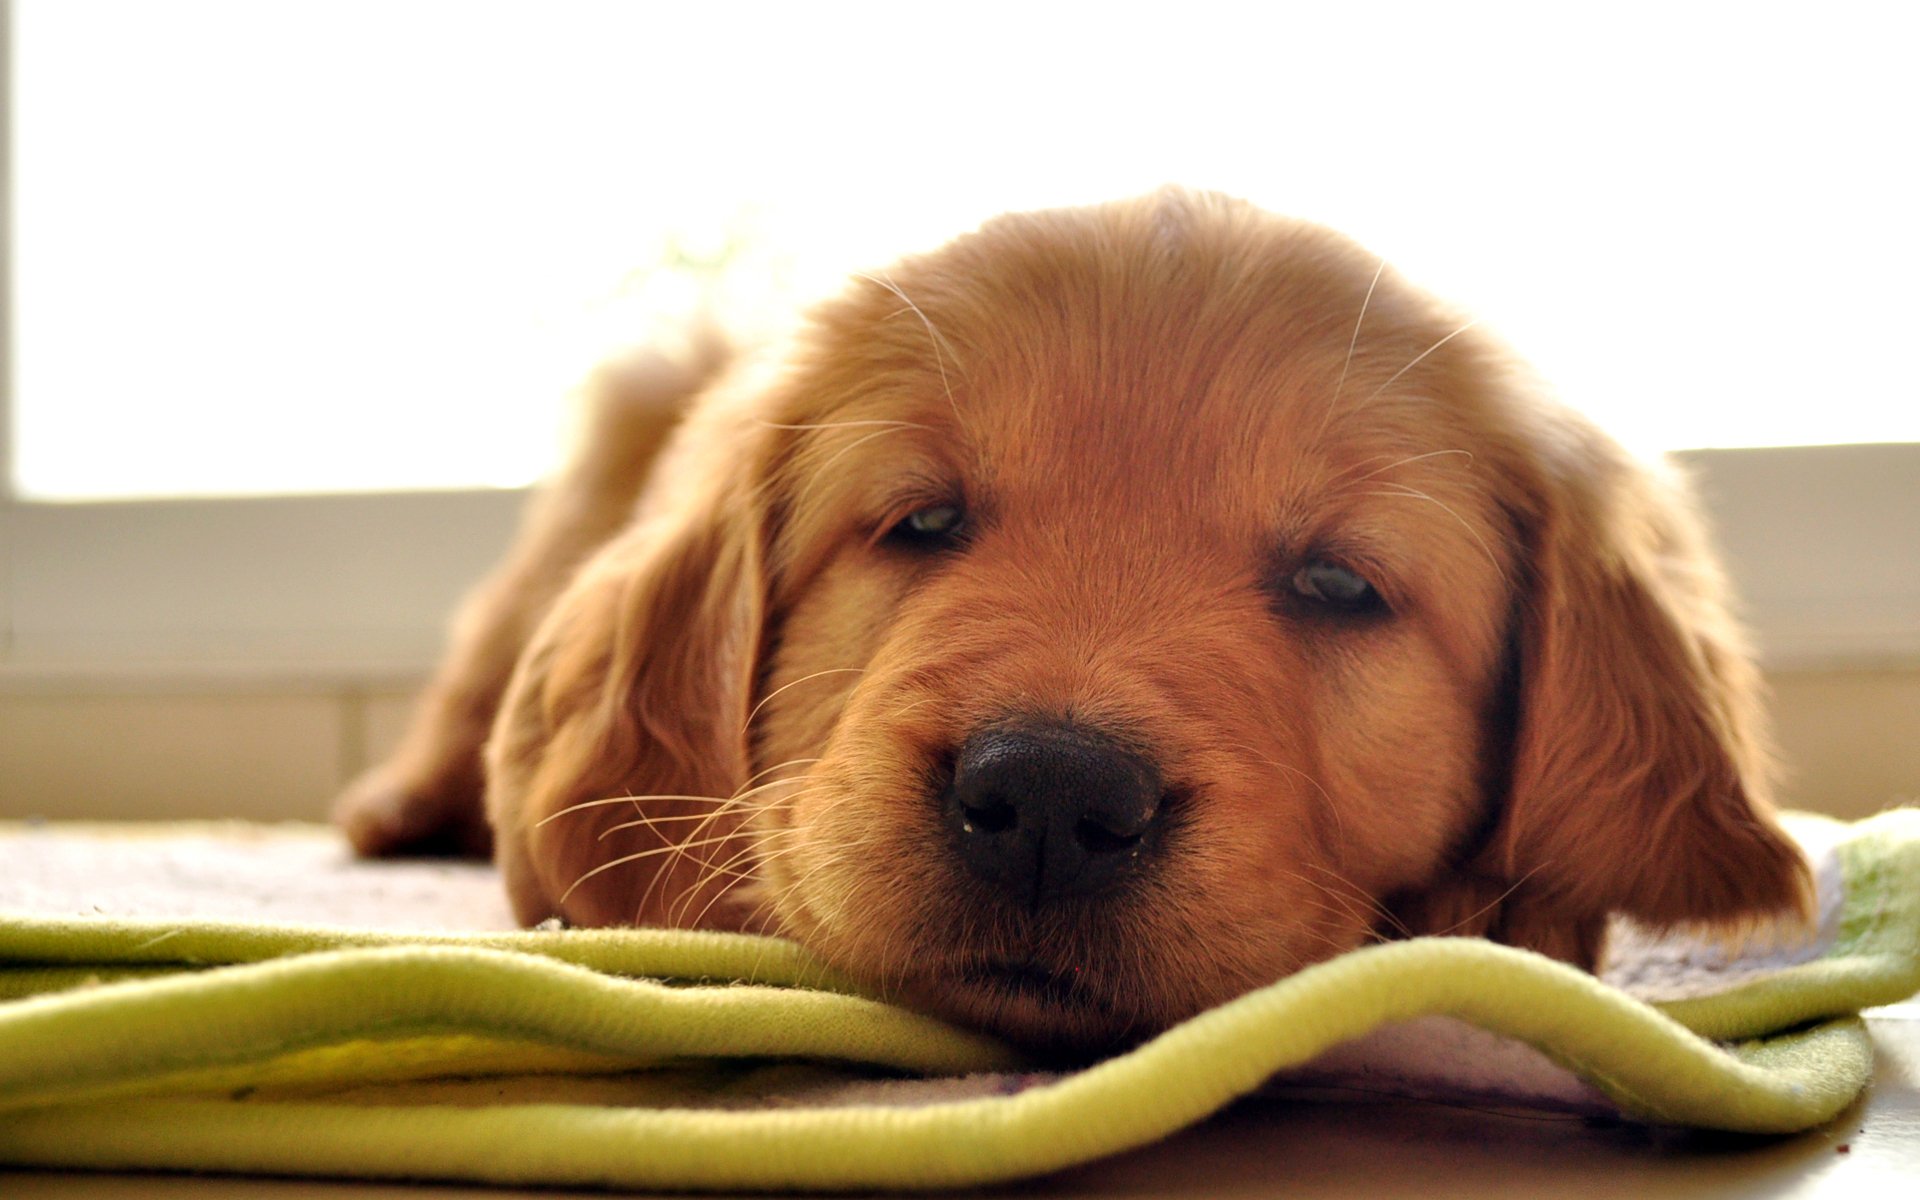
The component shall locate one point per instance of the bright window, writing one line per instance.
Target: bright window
(301, 246)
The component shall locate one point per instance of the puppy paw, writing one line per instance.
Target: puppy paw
(383, 815)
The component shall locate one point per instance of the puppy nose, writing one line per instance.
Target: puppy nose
(1051, 811)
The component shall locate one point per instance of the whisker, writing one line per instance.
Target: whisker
(907, 708)
(1413, 458)
(713, 874)
(1490, 905)
(695, 835)
(1332, 808)
(933, 336)
(795, 683)
(714, 871)
(848, 424)
(607, 800)
(792, 762)
(1372, 902)
(735, 803)
(1357, 322)
(767, 908)
(849, 448)
(1333, 403)
(1290, 768)
(671, 818)
(624, 859)
(1418, 358)
(664, 820)
(1400, 489)
(1342, 901)
(821, 476)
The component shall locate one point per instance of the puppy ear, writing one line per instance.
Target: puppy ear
(1639, 778)
(636, 686)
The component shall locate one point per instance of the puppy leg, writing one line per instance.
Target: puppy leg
(426, 797)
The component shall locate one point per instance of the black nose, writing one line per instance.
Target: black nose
(1051, 811)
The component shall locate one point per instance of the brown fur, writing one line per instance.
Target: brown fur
(1152, 412)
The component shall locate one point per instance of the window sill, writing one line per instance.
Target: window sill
(354, 591)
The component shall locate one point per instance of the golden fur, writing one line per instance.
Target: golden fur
(1152, 416)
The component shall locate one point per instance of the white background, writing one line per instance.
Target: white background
(299, 246)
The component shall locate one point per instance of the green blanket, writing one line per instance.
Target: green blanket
(675, 1060)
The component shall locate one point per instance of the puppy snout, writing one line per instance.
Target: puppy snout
(1051, 811)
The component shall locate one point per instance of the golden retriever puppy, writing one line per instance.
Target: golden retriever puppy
(1089, 621)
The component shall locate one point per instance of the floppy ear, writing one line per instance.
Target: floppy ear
(1638, 775)
(636, 685)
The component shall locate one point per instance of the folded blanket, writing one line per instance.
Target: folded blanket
(642, 1058)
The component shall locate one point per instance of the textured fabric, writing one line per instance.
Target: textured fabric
(674, 1060)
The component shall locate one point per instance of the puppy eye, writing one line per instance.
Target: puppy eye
(929, 528)
(1336, 588)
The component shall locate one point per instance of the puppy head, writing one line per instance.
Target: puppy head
(1135, 604)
